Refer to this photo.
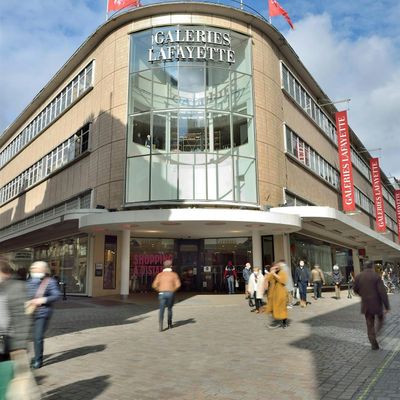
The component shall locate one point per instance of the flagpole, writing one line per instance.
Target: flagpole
(106, 10)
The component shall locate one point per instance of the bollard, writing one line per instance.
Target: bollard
(64, 290)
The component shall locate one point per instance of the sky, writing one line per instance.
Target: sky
(352, 49)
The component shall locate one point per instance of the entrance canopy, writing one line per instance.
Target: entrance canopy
(191, 222)
(329, 223)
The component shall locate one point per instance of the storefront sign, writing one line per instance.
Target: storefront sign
(378, 198)
(149, 264)
(191, 45)
(397, 200)
(346, 168)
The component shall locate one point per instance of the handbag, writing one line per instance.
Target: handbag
(31, 308)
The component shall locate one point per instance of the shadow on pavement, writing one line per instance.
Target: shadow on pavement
(78, 352)
(86, 389)
(345, 366)
(184, 322)
(79, 313)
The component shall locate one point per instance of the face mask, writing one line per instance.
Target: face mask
(37, 275)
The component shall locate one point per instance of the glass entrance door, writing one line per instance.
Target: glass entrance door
(188, 266)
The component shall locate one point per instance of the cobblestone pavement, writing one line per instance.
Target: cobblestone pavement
(219, 350)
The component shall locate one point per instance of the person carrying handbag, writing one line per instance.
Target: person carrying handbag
(16, 379)
(43, 292)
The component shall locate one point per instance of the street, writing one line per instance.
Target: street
(104, 348)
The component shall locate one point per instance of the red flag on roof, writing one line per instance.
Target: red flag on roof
(115, 5)
(275, 9)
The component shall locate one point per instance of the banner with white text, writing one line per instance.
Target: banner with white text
(346, 168)
(397, 200)
(380, 217)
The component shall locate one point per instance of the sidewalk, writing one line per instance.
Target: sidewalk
(110, 349)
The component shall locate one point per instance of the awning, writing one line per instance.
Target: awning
(335, 226)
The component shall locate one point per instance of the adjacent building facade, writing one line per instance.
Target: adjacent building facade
(190, 132)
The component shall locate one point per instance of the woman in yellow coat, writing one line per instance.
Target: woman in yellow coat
(277, 295)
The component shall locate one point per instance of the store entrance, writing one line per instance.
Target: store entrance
(189, 263)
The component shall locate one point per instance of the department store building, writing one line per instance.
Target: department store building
(189, 131)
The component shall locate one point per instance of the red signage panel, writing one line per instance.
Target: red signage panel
(346, 168)
(380, 217)
(397, 199)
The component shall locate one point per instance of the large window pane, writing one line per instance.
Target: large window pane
(241, 93)
(186, 176)
(242, 53)
(137, 179)
(165, 89)
(243, 137)
(245, 180)
(139, 135)
(218, 88)
(225, 176)
(160, 131)
(191, 131)
(139, 51)
(141, 90)
(191, 86)
(219, 132)
(200, 172)
(164, 177)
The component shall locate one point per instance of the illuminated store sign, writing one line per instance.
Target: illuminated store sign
(191, 45)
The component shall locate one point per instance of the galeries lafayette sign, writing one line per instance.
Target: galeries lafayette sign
(191, 45)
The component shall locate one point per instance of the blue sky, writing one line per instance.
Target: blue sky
(352, 48)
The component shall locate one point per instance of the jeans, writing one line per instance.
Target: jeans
(166, 299)
(370, 319)
(39, 328)
(317, 289)
(303, 290)
(231, 284)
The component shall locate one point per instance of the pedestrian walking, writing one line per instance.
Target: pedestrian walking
(277, 295)
(350, 284)
(317, 279)
(166, 283)
(337, 280)
(16, 380)
(230, 275)
(246, 275)
(374, 301)
(43, 292)
(302, 278)
(257, 288)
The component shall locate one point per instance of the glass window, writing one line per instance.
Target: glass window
(191, 86)
(241, 93)
(243, 139)
(242, 53)
(140, 138)
(186, 176)
(245, 179)
(160, 131)
(192, 131)
(218, 88)
(164, 177)
(139, 50)
(141, 90)
(138, 179)
(165, 87)
(224, 178)
(219, 132)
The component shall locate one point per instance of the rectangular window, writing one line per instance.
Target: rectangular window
(110, 262)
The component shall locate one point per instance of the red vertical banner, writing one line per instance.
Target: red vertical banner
(380, 217)
(397, 200)
(346, 168)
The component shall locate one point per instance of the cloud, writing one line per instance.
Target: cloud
(365, 69)
(36, 39)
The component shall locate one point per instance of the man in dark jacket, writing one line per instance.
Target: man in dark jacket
(302, 277)
(374, 300)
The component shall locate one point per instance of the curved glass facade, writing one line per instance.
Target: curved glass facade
(190, 123)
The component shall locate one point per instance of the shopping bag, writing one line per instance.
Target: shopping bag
(236, 283)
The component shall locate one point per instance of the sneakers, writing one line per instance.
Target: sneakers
(274, 325)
